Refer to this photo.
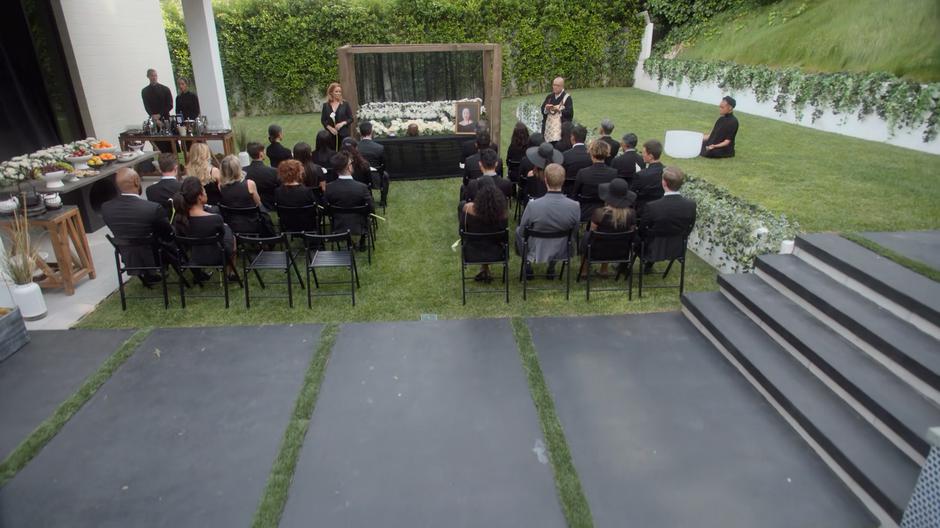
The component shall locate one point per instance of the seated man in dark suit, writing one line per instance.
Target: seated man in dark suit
(265, 177)
(130, 216)
(673, 214)
(163, 191)
(589, 178)
(471, 166)
(488, 162)
(469, 147)
(647, 184)
(577, 157)
(275, 151)
(552, 212)
(374, 153)
(344, 191)
(629, 159)
(607, 128)
(719, 143)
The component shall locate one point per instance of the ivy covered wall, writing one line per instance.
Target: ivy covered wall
(278, 56)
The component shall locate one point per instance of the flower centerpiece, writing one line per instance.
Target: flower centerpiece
(393, 119)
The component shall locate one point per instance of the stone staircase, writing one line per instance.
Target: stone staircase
(845, 344)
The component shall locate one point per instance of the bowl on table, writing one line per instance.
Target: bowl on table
(80, 162)
(54, 179)
(126, 156)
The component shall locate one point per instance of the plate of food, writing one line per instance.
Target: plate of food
(79, 157)
(95, 162)
(103, 146)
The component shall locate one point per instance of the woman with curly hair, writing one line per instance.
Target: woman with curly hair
(485, 214)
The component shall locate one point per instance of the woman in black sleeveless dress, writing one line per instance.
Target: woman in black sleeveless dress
(485, 214)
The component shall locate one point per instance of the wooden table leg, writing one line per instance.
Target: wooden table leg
(80, 242)
(59, 237)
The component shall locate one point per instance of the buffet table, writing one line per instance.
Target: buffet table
(225, 136)
(89, 192)
(423, 157)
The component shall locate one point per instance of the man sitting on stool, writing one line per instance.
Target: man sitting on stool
(552, 212)
(346, 192)
(719, 143)
(374, 153)
(130, 216)
(673, 214)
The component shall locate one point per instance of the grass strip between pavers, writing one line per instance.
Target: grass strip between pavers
(567, 482)
(51, 426)
(909, 263)
(282, 473)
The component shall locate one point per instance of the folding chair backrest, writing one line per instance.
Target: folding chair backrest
(496, 239)
(297, 219)
(202, 251)
(314, 241)
(246, 220)
(134, 250)
(611, 246)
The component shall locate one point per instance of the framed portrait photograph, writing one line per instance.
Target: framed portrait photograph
(467, 116)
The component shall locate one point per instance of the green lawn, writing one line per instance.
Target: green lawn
(898, 37)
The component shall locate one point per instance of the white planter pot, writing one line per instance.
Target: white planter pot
(29, 299)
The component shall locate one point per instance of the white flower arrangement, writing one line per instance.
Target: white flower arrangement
(20, 168)
(432, 117)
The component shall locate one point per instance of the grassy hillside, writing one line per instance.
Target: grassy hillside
(899, 37)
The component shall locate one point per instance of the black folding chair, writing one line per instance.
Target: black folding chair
(367, 223)
(610, 248)
(659, 246)
(204, 253)
(242, 220)
(318, 256)
(529, 233)
(143, 248)
(498, 239)
(296, 221)
(258, 255)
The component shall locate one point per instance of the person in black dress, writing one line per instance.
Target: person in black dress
(518, 144)
(187, 103)
(362, 171)
(192, 220)
(616, 216)
(719, 142)
(241, 193)
(336, 116)
(293, 192)
(314, 175)
(485, 214)
(323, 154)
(158, 102)
(564, 144)
(276, 152)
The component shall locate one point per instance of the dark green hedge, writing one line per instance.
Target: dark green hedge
(279, 55)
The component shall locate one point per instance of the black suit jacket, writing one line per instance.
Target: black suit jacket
(670, 216)
(374, 153)
(266, 181)
(648, 185)
(162, 192)
(614, 147)
(576, 158)
(134, 217)
(471, 168)
(626, 164)
(348, 193)
(277, 153)
(469, 191)
(585, 187)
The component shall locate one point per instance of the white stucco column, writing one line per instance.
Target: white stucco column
(207, 65)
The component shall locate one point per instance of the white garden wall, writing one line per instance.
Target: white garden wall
(871, 128)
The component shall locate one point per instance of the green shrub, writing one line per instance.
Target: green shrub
(279, 55)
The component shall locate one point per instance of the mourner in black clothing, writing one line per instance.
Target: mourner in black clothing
(629, 159)
(346, 192)
(537, 158)
(130, 216)
(314, 176)
(607, 128)
(361, 171)
(671, 215)
(647, 184)
(187, 103)
(616, 216)
(374, 153)
(194, 221)
(471, 167)
(485, 214)
(323, 153)
(276, 152)
(557, 108)
(292, 192)
(586, 183)
(719, 143)
(564, 144)
(265, 178)
(336, 115)
(488, 161)
(518, 144)
(577, 157)
(163, 191)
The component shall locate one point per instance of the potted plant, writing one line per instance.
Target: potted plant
(19, 263)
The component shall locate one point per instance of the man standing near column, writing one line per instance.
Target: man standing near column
(158, 101)
(557, 108)
(187, 103)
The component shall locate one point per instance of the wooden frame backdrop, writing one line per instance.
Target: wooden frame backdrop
(492, 72)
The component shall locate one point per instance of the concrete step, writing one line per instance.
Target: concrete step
(907, 294)
(892, 341)
(872, 466)
(903, 414)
